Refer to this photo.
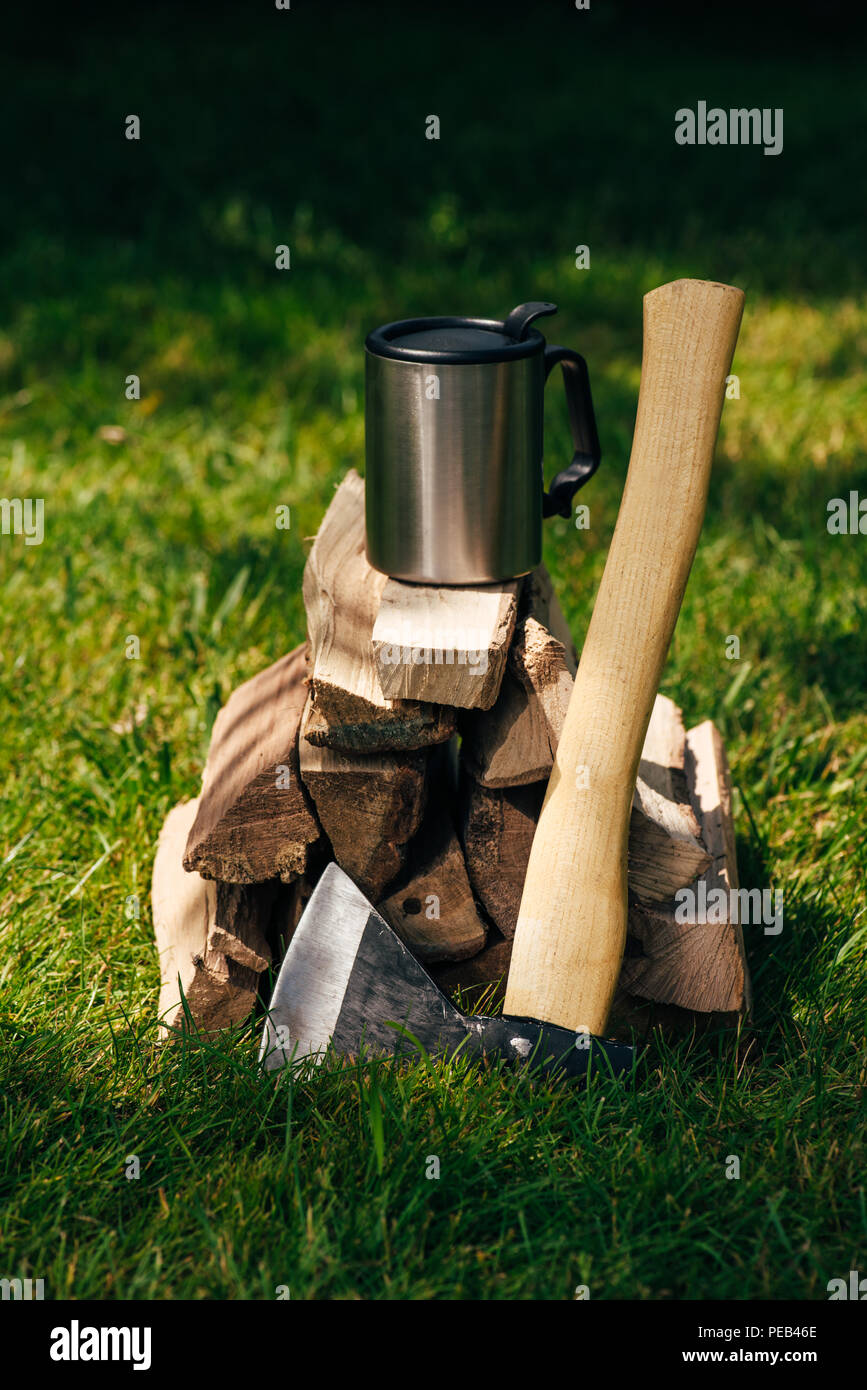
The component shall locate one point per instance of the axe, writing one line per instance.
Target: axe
(347, 979)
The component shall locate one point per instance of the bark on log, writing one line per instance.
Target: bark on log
(254, 822)
(497, 829)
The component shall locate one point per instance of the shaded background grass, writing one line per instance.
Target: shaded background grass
(157, 258)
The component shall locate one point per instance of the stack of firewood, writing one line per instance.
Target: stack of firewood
(411, 739)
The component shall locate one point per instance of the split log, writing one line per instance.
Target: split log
(498, 825)
(240, 920)
(497, 830)
(662, 764)
(448, 646)
(342, 594)
(693, 966)
(699, 965)
(665, 849)
(710, 790)
(675, 967)
(369, 805)
(539, 600)
(433, 909)
(210, 937)
(515, 744)
(512, 746)
(288, 908)
(254, 822)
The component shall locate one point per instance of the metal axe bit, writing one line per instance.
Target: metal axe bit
(348, 980)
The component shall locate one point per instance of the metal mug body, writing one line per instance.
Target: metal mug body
(454, 468)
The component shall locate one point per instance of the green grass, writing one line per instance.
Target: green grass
(158, 259)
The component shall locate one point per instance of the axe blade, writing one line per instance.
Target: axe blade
(349, 981)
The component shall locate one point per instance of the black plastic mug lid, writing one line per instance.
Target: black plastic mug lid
(453, 340)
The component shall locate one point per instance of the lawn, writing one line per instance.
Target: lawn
(157, 258)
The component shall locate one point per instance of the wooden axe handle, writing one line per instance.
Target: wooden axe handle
(572, 924)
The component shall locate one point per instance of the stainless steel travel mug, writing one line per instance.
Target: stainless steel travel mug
(453, 425)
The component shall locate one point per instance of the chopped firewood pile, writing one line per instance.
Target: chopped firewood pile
(411, 739)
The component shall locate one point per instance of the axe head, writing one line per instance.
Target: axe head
(348, 980)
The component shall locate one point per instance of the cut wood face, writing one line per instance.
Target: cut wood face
(182, 906)
(666, 851)
(710, 790)
(444, 645)
(254, 822)
(342, 595)
(539, 601)
(697, 967)
(369, 806)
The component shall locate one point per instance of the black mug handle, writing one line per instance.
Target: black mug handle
(557, 501)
